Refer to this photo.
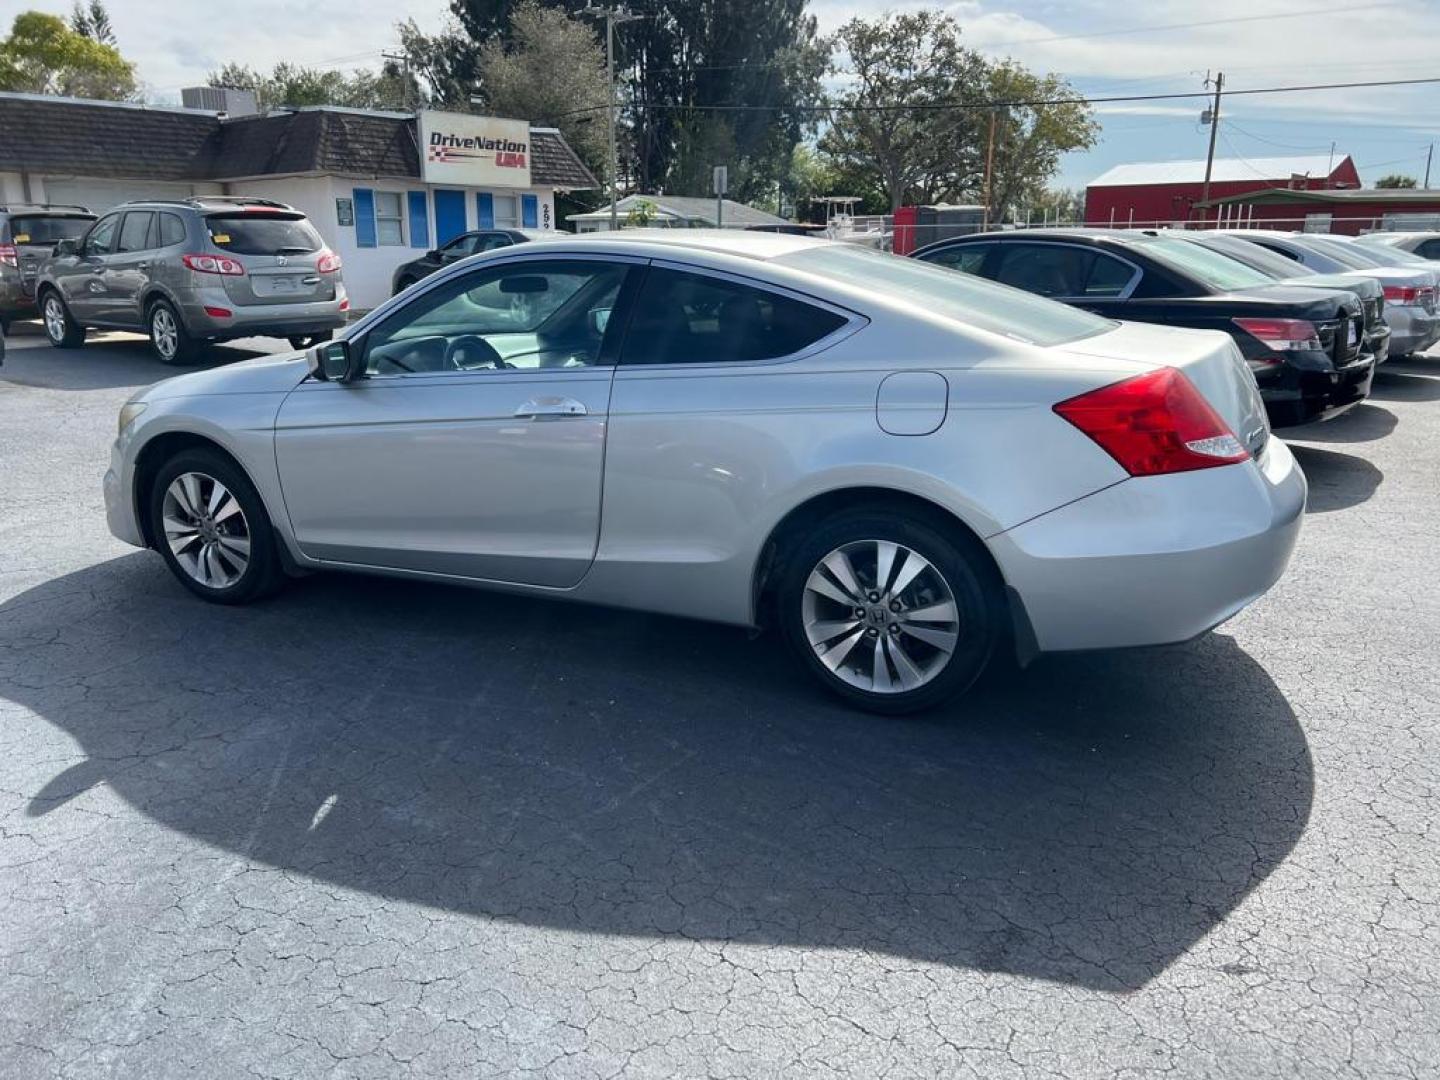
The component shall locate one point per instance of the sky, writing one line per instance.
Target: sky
(1101, 47)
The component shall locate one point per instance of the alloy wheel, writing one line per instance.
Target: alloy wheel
(164, 333)
(54, 318)
(880, 616)
(206, 530)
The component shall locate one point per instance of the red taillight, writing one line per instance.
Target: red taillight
(1155, 423)
(328, 262)
(213, 264)
(8, 255)
(345, 304)
(218, 312)
(1282, 333)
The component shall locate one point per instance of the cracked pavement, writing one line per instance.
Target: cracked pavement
(379, 829)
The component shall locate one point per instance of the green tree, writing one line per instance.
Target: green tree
(550, 71)
(1063, 205)
(1395, 180)
(93, 21)
(1029, 139)
(43, 55)
(895, 129)
(293, 85)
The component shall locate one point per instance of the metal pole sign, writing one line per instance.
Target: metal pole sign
(721, 184)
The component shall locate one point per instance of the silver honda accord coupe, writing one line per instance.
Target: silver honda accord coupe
(903, 468)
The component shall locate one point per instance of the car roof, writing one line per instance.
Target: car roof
(656, 242)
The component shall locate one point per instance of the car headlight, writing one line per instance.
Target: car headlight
(128, 412)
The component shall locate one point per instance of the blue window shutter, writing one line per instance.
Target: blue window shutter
(364, 217)
(529, 212)
(419, 220)
(449, 215)
(485, 208)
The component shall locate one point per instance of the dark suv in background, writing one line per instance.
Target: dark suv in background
(188, 271)
(28, 235)
(1304, 346)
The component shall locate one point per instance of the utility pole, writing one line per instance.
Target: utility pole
(1214, 130)
(613, 17)
(403, 59)
(1428, 157)
(989, 170)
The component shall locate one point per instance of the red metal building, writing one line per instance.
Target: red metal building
(1167, 192)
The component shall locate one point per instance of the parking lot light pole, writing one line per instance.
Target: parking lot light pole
(613, 17)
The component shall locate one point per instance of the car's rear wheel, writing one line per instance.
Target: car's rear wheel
(211, 527)
(169, 340)
(62, 331)
(889, 612)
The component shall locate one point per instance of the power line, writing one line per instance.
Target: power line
(1018, 104)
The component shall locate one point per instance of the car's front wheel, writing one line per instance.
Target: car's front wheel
(62, 331)
(169, 339)
(888, 611)
(211, 527)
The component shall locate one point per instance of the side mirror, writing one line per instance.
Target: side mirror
(67, 247)
(334, 361)
(599, 320)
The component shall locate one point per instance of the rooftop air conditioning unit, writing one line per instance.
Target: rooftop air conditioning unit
(222, 99)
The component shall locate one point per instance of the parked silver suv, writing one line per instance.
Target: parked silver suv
(28, 235)
(194, 270)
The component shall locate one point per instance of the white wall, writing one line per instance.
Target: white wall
(98, 193)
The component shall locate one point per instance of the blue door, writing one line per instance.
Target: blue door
(449, 216)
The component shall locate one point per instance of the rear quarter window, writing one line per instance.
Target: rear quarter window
(263, 234)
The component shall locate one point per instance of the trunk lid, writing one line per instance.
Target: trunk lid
(1209, 358)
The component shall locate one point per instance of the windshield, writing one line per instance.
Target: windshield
(1262, 259)
(1343, 253)
(46, 229)
(263, 234)
(1211, 267)
(999, 309)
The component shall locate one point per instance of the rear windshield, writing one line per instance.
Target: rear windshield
(1214, 269)
(1262, 259)
(1389, 255)
(999, 309)
(1343, 253)
(263, 234)
(46, 229)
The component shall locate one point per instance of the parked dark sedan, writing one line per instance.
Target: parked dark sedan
(470, 243)
(1305, 346)
(1277, 267)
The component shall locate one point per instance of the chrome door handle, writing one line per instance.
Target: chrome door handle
(539, 407)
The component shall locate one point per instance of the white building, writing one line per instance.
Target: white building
(381, 187)
(677, 212)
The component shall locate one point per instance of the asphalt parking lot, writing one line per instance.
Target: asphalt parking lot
(375, 829)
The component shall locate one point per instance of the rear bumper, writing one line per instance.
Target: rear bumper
(1412, 329)
(261, 320)
(1155, 560)
(1294, 396)
(16, 302)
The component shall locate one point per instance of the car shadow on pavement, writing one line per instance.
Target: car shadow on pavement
(32, 361)
(1409, 385)
(1085, 821)
(1337, 481)
(1364, 423)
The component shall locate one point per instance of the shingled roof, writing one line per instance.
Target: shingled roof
(94, 138)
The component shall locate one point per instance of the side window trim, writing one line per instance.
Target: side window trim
(854, 321)
(1125, 293)
(115, 222)
(609, 347)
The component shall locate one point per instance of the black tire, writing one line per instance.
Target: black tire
(304, 341)
(263, 573)
(170, 341)
(63, 331)
(962, 567)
